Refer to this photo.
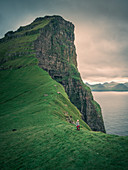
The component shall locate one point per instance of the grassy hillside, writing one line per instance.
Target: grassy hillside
(43, 138)
(37, 129)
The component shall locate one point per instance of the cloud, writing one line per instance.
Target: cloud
(102, 50)
(101, 29)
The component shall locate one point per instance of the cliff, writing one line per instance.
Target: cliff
(56, 53)
(49, 41)
(37, 129)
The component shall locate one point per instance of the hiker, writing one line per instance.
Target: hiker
(78, 125)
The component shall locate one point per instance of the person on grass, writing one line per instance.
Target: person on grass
(78, 125)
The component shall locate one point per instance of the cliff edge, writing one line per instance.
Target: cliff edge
(51, 41)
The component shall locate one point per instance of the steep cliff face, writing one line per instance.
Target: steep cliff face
(56, 53)
(49, 41)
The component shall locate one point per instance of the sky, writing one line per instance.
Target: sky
(101, 32)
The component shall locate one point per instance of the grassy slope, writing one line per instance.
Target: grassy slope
(44, 139)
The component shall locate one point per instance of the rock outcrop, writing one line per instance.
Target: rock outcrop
(56, 53)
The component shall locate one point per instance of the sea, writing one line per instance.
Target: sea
(114, 107)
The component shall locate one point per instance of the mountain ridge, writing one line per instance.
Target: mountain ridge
(112, 86)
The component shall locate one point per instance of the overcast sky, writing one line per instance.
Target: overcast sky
(101, 31)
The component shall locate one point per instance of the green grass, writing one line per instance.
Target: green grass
(74, 72)
(97, 107)
(43, 138)
(21, 46)
(33, 26)
(20, 62)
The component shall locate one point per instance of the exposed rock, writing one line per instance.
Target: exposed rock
(59, 92)
(45, 95)
(9, 34)
(69, 118)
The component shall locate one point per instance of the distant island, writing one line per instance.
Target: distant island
(112, 86)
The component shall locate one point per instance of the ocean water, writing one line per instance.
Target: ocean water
(114, 107)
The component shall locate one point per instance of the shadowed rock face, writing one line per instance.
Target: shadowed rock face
(56, 53)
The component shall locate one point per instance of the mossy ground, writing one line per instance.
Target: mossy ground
(43, 138)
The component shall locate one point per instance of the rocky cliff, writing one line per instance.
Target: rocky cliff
(52, 43)
(56, 53)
